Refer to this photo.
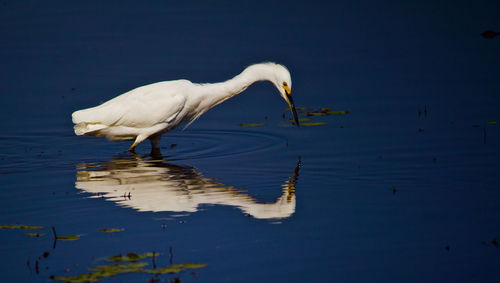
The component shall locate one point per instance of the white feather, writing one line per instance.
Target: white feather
(151, 110)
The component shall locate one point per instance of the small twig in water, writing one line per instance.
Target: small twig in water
(171, 255)
(55, 236)
(29, 266)
(154, 259)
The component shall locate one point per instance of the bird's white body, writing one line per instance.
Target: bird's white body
(145, 111)
(151, 110)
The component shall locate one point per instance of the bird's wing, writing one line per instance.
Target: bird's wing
(151, 110)
(141, 107)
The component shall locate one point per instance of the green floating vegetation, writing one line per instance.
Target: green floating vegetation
(193, 265)
(175, 268)
(325, 111)
(111, 230)
(165, 270)
(300, 120)
(68, 238)
(252, 124)
(493, 123)
(84, 277)
(338, 112)
(132, 257)
(102, 271)
(313, 124)
(35, 234)
(23, 227)
(111, 270)
(297, 108)
(312, 114)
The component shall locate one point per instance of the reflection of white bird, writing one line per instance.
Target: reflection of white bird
(152, 185)
(149, 111)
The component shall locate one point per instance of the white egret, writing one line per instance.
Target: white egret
(149, 111)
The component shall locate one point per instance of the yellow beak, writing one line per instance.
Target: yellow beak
(287, 89)
(289, 100)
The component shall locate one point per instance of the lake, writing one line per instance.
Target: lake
(393, 176)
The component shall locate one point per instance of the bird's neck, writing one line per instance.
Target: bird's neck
(252, 74)
(218, 92)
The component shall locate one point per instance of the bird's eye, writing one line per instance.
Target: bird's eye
(285, 84)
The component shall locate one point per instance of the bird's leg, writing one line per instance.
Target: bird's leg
(132, 147)
(155, 146)
(137, 141)
(155, 141)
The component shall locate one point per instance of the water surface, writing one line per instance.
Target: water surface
(403, 188)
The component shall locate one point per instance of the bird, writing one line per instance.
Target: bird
(149, 111)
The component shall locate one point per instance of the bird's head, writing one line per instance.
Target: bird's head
(283, 82)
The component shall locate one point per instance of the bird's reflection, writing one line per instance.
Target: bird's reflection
(154, 185)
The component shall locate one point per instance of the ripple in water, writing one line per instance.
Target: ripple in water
(197, 144)
(56, 149)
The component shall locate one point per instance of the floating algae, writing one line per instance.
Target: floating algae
(324, 112)
(300, 120)
(308, 115)
(313, 124)
(175, 268)
(132, 257)
(102, 271)
(252, 124)
(111, 230)
(110, 270)
(84, 277)
(68, 238)
(35, 234)
(23, 227)
(299, 108)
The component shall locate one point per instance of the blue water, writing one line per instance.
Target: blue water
(403, 188)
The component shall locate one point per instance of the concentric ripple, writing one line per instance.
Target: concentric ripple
(21, 153)
(200, 144)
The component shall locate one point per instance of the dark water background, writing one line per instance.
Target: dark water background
(404, 188)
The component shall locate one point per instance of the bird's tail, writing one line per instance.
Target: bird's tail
(85, 128)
